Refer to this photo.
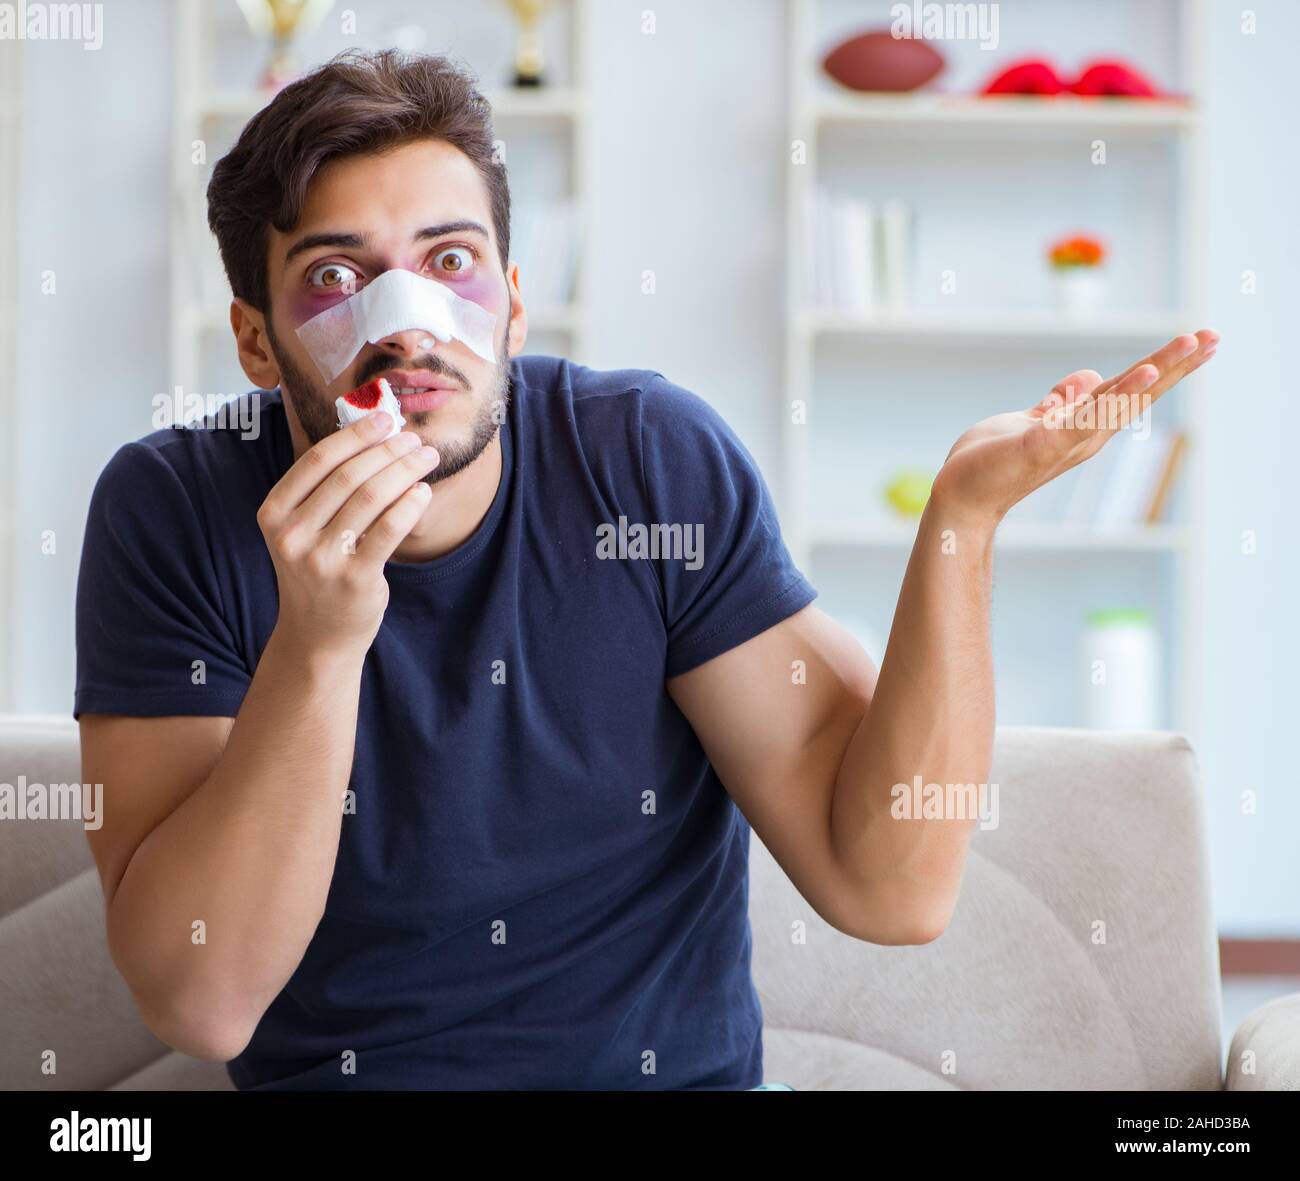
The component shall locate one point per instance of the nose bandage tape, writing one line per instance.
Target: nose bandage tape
(395, 302)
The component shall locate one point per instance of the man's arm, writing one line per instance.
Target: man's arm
(811, 754)
(809, 740)
(232, 824)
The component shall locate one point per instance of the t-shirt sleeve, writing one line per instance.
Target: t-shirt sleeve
(152, 639)
(736, 578)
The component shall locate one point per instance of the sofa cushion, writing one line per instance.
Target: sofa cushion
(1081, 954)
(811, 1061)
(38, 855)
(60, 991)
(177, 1072)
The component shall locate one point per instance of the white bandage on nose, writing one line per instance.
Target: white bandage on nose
(394, 302)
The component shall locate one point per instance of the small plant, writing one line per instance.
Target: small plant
(1080, 251)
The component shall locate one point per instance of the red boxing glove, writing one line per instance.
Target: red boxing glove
(1114, 79)
(1026, 77)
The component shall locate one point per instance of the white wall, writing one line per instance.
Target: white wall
(690, 161)
(93, 210)
(1252, 649)
(690, 156)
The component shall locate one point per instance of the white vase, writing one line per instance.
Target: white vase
(1120, 654)
(1079, 291)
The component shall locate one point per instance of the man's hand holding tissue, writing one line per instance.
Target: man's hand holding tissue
(331, 523)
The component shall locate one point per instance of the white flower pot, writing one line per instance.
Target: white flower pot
(1080, 291)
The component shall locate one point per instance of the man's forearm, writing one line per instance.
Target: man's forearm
(250, 854)
(932, 716)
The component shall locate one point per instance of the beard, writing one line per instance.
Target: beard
(316, 413)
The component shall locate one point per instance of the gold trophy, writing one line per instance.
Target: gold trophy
(529, 58)
(281, 21)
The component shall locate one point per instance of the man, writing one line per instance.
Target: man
(419, 771)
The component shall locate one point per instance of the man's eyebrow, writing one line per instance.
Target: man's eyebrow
(450, 227)
(360, 241)
(311, 241)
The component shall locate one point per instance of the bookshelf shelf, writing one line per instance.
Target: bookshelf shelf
(556, 319)
(995, 330)
(1063, 113)
(548, 104)
(874, 151)
(553, 103)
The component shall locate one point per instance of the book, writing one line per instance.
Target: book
(547, 252)
(896, 256)
(840, 240)
(1131, 482)
(854, 237)
(1090, 478)
(1168, 473)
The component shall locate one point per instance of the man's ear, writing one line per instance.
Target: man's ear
(253, 345)
(518, 328)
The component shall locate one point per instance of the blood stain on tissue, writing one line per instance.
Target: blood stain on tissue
(368, 396)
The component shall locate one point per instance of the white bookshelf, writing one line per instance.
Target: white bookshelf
(210, 109)
(863, 556)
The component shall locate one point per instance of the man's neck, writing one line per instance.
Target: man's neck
(457, 507)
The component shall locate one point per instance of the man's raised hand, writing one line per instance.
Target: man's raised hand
(1001, 460)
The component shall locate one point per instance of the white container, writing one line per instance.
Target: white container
(1080, 292)
(897, 252)
(1121, 674)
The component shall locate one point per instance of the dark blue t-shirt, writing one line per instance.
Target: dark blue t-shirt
(544, 884)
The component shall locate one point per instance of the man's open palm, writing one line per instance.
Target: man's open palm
(1001, 460)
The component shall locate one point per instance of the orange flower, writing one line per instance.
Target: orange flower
(1080, 251)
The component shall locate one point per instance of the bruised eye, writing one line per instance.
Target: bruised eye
(333, 275)
(454, 260)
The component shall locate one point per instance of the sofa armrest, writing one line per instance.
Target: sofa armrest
(1265, 1051)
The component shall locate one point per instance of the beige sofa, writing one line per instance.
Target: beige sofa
(1082, 953)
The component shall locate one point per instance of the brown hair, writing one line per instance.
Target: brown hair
(357, 102)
